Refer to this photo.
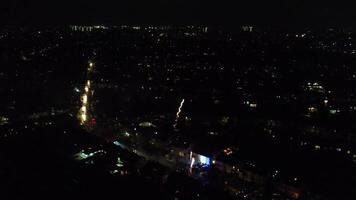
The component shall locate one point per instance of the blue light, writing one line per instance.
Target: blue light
(204, 160)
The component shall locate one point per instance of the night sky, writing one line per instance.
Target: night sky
(181, 12)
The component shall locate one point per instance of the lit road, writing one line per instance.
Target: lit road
(83, 114)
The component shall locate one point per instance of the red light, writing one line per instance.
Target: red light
(296, 195)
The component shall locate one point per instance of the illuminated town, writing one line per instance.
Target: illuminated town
(180, 113)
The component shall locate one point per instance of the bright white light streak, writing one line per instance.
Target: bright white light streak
(178, 113)
(180, 108)
(192, 162)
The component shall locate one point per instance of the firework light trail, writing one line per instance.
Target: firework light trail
(178, 113)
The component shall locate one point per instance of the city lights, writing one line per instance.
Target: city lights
(193, 111)
(228, 151)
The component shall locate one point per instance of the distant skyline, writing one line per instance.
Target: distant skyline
(287, 13)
